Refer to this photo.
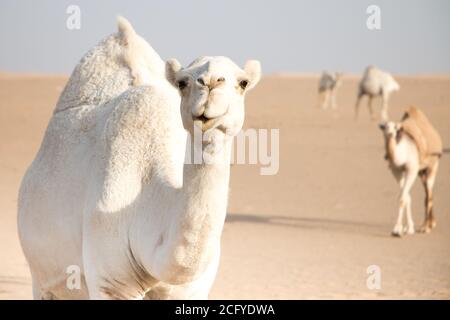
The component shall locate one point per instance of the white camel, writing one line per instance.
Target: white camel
(328, 85)
(109, 191)
(376, 82)
(413, 148)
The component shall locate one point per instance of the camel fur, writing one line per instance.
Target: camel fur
(413, 148)
(109, 192)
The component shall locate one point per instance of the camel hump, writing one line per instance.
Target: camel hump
(416, 124)
(124, 27)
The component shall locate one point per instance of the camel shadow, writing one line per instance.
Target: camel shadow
(324, 224)
(11, 280)
(6, 282)
(446, 150)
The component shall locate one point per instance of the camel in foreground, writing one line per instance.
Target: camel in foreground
(328, 84)
(376, 82)
(413, 148)
(110, 191)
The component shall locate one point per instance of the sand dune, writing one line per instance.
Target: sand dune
(308, 232)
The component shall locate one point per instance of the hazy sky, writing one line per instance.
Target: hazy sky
(286, 36)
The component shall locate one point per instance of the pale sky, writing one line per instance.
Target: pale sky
(286, 36)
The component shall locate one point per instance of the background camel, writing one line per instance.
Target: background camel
(376, 82)
(328, 85)
(413, 147)
(108, 191)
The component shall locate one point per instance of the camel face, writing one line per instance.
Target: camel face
(390, 128)
(212, 92)
(329, 80)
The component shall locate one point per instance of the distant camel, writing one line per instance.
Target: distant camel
(376, 82)
(328, 84)
(113, 194)
(413, 148)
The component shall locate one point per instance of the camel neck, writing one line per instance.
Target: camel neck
(205, 190)
(400, 150)
(196, 227)
(205, 197)
(390, 147)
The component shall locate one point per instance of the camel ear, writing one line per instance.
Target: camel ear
(126, 30)
(253, 70)
(172, 68)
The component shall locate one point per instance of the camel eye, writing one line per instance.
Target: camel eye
(182, 84)
(201, 81)
(243, 84)
(221, 79)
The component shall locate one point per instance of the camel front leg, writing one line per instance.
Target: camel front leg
(409, 220)
(398, 227)
(405, 201)
(321, 99)
(38, 294)
(384, 108)
(333, 99)
(369, 104)
(358, 101)
(112, 269)
(326, 100)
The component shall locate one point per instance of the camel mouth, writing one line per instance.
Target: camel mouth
(206, 124)
(202, 118)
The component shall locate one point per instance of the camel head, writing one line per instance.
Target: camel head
(391, 129)
(212, 93)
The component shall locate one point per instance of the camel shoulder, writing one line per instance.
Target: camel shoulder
(140, 139)
(140, 109)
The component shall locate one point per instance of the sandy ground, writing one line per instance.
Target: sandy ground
(308, 232)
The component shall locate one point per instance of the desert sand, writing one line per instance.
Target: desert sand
(309, 232)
